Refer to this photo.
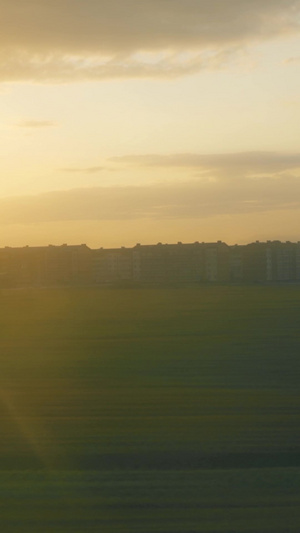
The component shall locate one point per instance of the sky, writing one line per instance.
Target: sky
(126, 121)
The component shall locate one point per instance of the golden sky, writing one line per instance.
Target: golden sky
(127, 121)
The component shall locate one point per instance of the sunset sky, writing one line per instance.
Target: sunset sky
(127, 121)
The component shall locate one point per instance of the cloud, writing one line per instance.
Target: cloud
(228, 164)
(274, 187)
(86, 170)
(66, 40)
(36, 124)
(292, 60)
(62, 69)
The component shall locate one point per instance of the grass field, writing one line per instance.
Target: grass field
(150, 410)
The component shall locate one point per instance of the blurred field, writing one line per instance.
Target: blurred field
(150, 410)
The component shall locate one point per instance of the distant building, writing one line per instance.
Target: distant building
(45, 265)
(258, 262)
(112, 265)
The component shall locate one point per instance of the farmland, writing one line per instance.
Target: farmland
(150, 410)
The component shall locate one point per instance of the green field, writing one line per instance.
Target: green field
(150, 410)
